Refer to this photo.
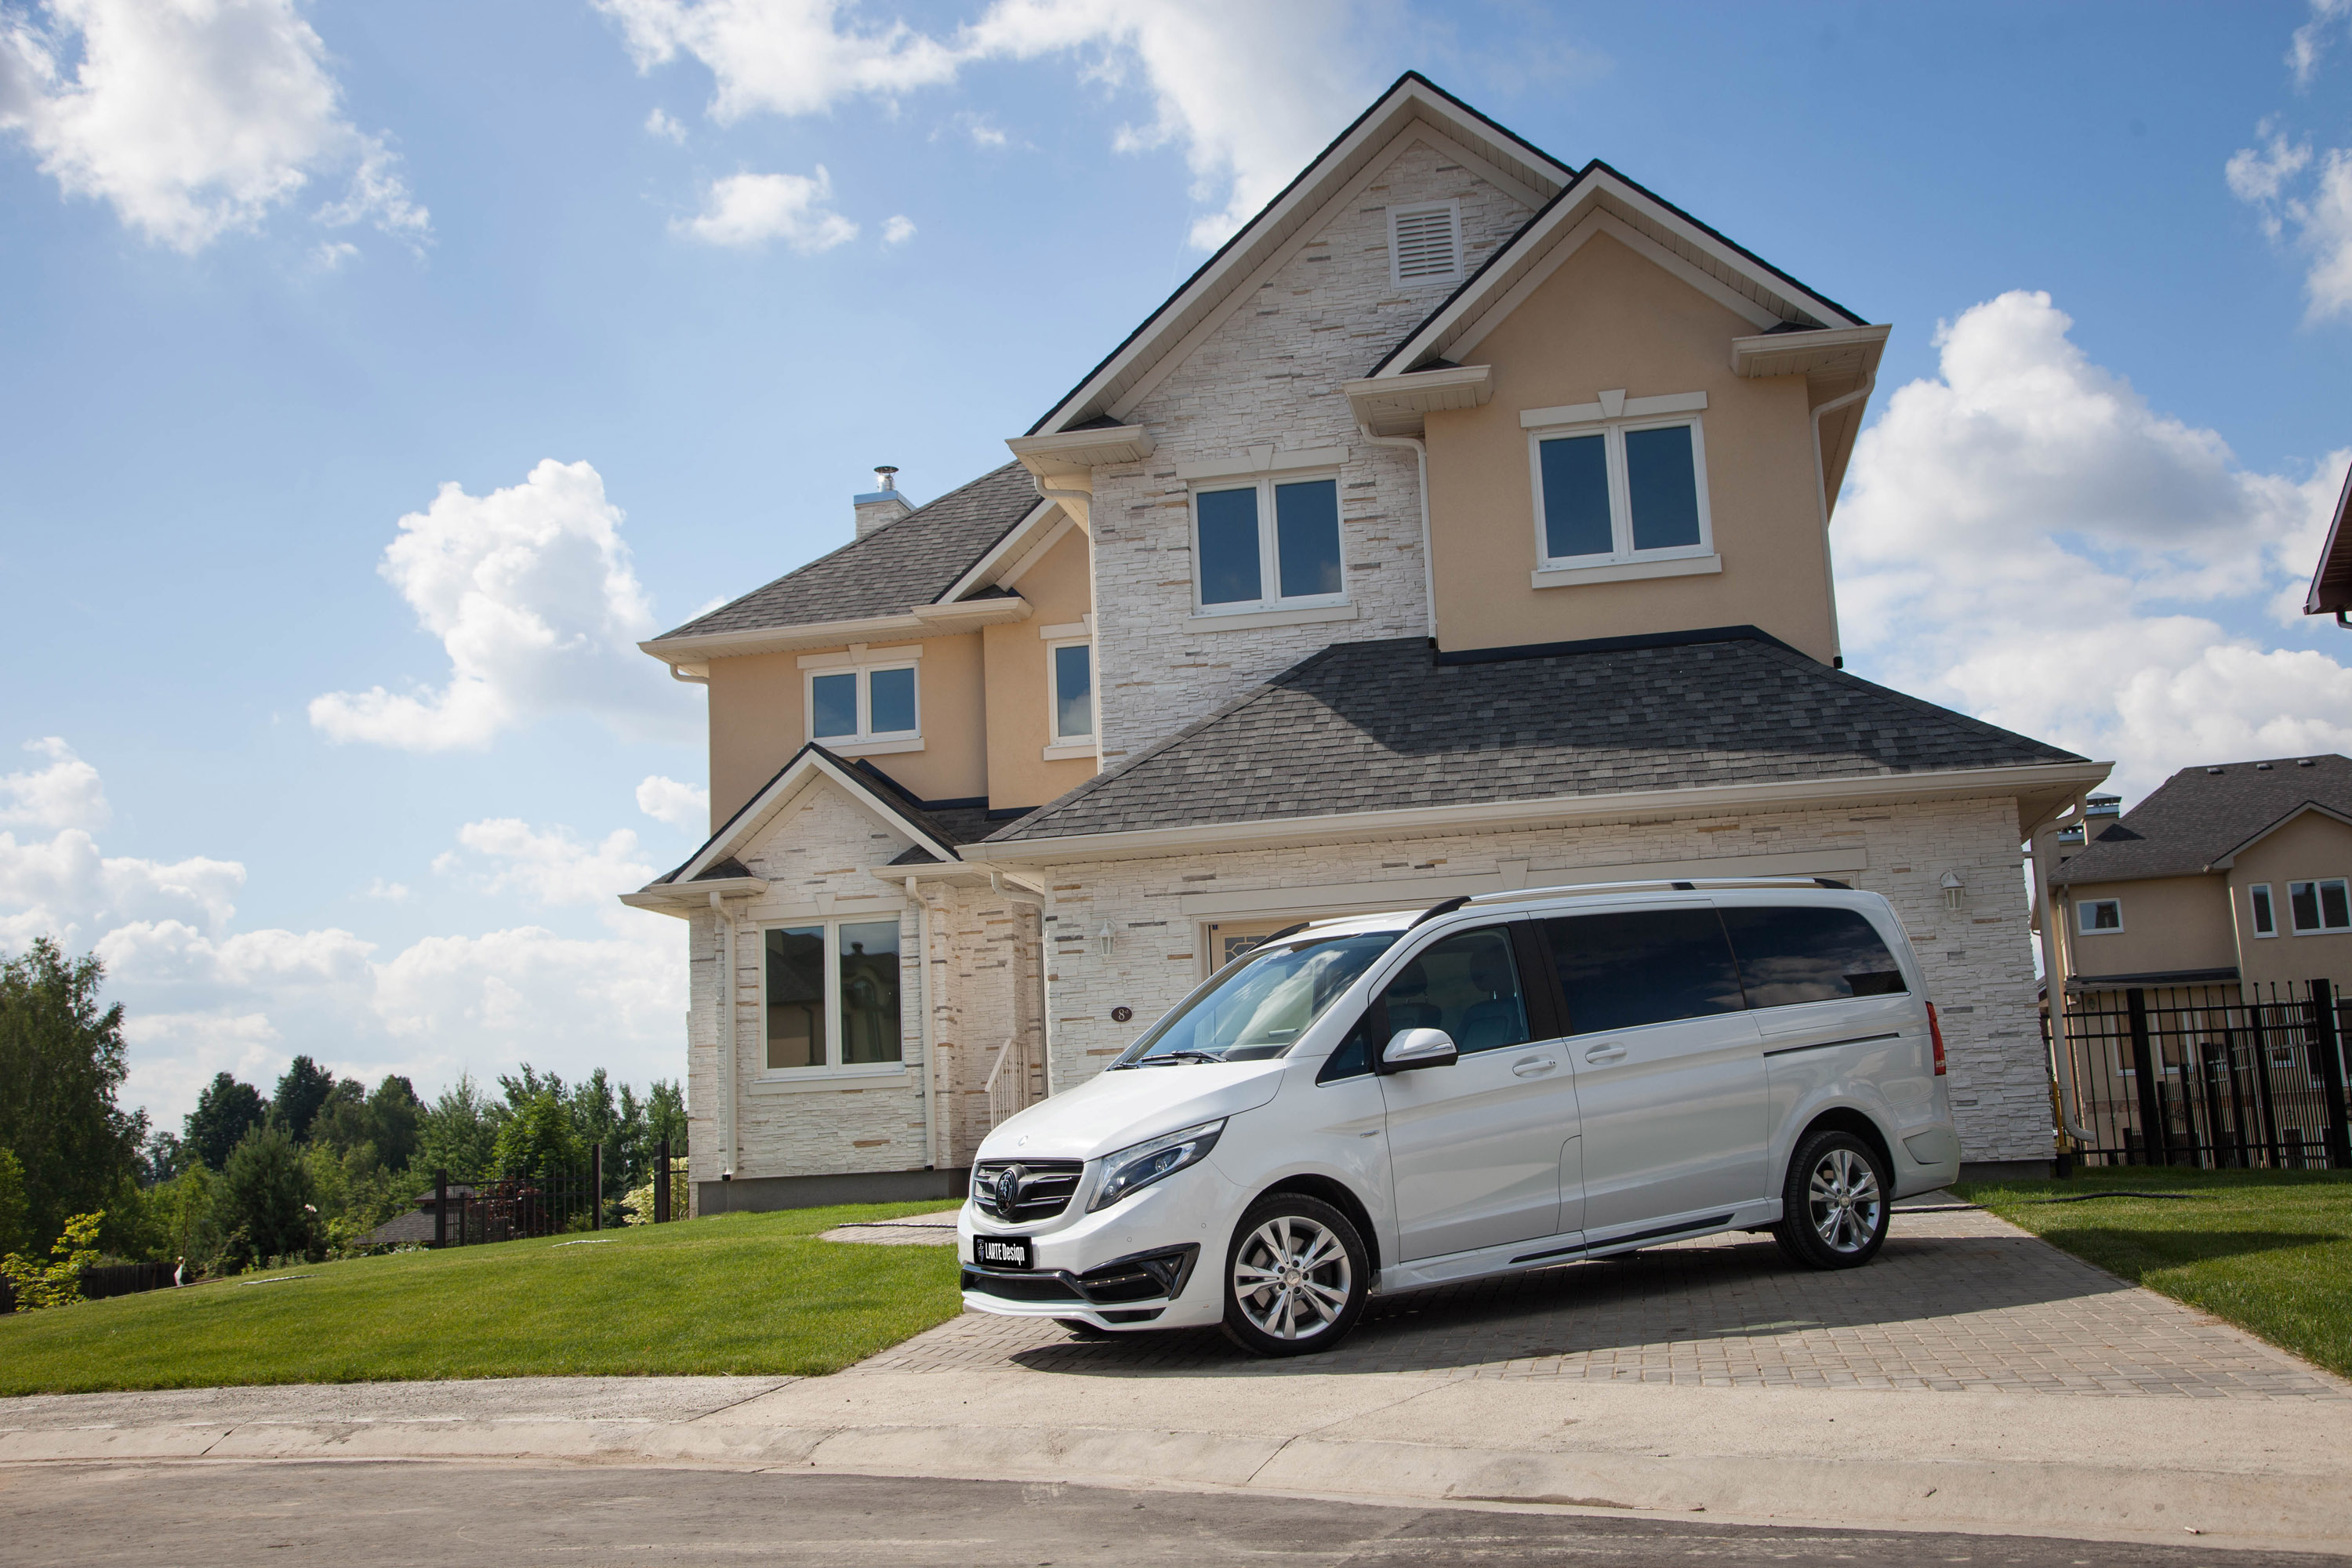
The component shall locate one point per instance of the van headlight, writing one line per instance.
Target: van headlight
(1141, 1164)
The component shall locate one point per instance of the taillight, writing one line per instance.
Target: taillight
(1936, 1034)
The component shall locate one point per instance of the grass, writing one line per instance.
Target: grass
(740, 1293)
(2269, 1251)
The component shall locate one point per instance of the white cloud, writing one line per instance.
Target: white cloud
(532, 594)
(2313, 217)
(2024, 538)
(660, 122)
(65, 794)
(191, 118)
(679, 804)
(1249, 91)
(899, 231)
(744, 210)
(390, 892)
(201, 997)
(2310, 40)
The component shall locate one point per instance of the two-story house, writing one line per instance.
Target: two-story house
(1462, 524)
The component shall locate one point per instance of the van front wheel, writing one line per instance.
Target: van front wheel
(1833, 1210)
(1295, 1277)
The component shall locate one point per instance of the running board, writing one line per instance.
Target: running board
(1716, 1223)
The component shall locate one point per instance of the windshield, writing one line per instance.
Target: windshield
(1260, 1003)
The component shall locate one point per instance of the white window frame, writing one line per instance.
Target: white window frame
(2083, 917)
(2315, 884)
(1622, 554)
(865, 668)
(1397, 280)
(2259, 901)
(1058, 746)
(1269, 560)
(833, 1066)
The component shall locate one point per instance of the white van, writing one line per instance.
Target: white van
(1380, 1103)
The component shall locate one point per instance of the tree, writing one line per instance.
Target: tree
(59, 1283)
(267, 1196)
(538, 1138)
(665, 1115)
(225, 1112)
(62, 1062)
(166, 1156)
(458, 1136)
(12, 1204)
(396, 1117)
(302, 1091)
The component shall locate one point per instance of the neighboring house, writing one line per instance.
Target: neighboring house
(1461, 525)
(2331, 580)
(2240, 873)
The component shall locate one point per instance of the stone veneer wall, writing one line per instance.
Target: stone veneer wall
(1271, 374)
(1978, 960)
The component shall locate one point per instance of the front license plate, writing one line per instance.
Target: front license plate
(1002, 1252)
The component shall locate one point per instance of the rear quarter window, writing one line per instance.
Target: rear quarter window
(1625, 969)
(1794, 953)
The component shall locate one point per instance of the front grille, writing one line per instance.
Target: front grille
(1020, 1286)
(1046, 1189)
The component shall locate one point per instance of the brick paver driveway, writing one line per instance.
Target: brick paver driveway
(1957, 1301)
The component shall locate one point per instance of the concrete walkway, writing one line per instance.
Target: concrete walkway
(1973, 1378)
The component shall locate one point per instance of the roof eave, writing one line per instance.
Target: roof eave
(922, 621)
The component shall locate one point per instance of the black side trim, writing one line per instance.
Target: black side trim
(1616, 645)
(1825, 1045)
(1683, 1229)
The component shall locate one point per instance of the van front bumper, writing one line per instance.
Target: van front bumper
(1135, 1264)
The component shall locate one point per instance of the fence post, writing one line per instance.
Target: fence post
(596, 1184)
(661, 1183)
(2331, 1072)
(2272, 1141)
(2155, 1137)
(440, 1209)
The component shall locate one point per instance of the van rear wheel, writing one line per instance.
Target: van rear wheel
(1834, 1207)
(1295, 1277)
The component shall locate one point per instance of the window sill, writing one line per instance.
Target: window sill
(1242, 620)
(892, 1076)
(871, 747)
(1069, 749)
(1626, 571)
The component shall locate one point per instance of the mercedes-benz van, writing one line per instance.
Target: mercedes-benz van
(1513, 1081)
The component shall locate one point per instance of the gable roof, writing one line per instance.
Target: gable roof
(1373, 727)
(893, 570)
(2331, 580)
(1411, 97)
(2201, 817)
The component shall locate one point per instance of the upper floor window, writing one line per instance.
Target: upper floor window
(1072, 673)
(1611, 491)
(2265, 917)
(2096, 917)
(1425, 244)
(1267, 545)
(2319, 906)
(859, 704)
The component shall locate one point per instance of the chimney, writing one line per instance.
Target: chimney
(884, 505)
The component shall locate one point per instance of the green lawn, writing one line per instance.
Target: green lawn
(2269, 1251)
(736, 1294)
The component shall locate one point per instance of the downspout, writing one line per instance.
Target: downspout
(1821, 488)
(931, 1062)
(1079, 504)
(2053, 979)
(1428, 568)
(727, 1031)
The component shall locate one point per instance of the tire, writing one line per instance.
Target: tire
(1834, 1206)
(1296, 1275)
(1082, 1330)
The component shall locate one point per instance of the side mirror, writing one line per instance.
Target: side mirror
(1409, 1049)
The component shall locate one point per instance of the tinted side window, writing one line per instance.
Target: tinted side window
(1643, 966)
(1466, 985)
(1795, 955)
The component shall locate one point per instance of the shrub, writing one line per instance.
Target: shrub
(59, 1283)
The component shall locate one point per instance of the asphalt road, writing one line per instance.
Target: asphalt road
(355, 1515)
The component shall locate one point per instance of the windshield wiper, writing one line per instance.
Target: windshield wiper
(1158, 1057)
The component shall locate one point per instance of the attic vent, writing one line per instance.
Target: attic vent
(1425, 243)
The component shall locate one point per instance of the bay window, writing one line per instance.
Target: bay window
(831, 995)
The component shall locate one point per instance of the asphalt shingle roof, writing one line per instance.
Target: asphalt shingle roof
(890, 571)
(1375, 726)
(2198, 815)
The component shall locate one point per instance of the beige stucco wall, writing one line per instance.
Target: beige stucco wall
(1608, 318)
(1020, 720)
(2169, 924)
(757, 722)
(2310, 847)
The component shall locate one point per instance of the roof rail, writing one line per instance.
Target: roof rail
(1673, 884)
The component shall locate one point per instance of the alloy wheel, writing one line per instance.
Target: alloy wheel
(1842, 1201)
(1292, 1278)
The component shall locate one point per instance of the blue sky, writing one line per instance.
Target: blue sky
(654, 283)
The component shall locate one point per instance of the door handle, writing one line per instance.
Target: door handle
(1533, 1066)
(1605, 1054)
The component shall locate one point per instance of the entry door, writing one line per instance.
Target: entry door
(1669, 1066)
(1474, 1148)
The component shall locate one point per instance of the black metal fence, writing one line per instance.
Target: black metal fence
(2221, 1077)
(560, 1200)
